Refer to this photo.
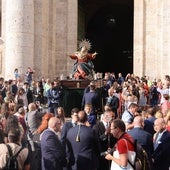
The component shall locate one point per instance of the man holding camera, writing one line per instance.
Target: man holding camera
(124, 149)
(106, 140)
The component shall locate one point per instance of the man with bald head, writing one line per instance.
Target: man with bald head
(53, 153)
(161, 155)
(143, 138)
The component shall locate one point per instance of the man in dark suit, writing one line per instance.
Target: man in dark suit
(29, 92)
(106, 140)
(66, 127)
(54, 96)
(53, 153)
(143, 138)
(91, 97)
(113, 100)
(161, 155)
(82, 145)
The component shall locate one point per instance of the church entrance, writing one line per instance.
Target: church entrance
(109, 27)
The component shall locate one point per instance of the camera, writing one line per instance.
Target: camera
(109, 151)
(103, 154)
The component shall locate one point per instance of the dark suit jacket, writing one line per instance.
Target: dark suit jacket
(53, 154)
(85, 152)
(105, 141)
(143, 138)
(29, 96)
(91, 119)
(91, 97)
(64, 130)
(66, 127)
(149, 125)
(161, 155)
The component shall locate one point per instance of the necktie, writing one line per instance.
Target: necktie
(107, 125)
(156, 143)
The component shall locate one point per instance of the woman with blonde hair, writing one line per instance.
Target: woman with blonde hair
(159, 114)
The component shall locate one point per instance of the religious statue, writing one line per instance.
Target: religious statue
(83, 67)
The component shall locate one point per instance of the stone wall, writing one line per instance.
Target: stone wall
(151, 38)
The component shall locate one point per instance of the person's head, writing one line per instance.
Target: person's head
(151, 111)
(29, 69)
(56, 83)
(5, 109)
(16, 70)
(20, 102)
(14, 135)
(159, 125)
(26, 85)
(138, 121)
(92, 85)
(48, 81)
(44, 122)
(21, 91)
(11, 123)
(166, 97)
(55, 124)
(52, 84)
(74, 114)
(39, 84)
(159, 114)
(32, 107)
(11, 120)
(21, 111)
(133, 108)
(8, 93)
(82, 117)
(84, 49)
(117, 128)
(108, 116)
(60, 112)
(88, 108)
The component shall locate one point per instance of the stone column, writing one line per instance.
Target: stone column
(19, 36)
(164, 45)
(138, 37)
(72, 21)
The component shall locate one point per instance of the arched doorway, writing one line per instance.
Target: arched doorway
(109, 27)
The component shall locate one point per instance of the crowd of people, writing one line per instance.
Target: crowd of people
(130, 107)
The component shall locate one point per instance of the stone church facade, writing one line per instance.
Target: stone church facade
(42, 33)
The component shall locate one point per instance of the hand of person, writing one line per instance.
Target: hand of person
(88, 124)
(94, 55)
(108, 156)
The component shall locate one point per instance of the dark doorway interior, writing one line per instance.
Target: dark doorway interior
(110, 30)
